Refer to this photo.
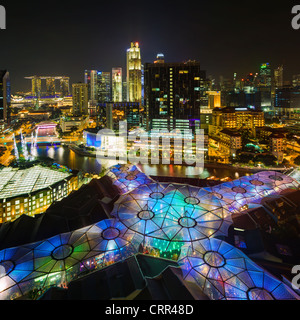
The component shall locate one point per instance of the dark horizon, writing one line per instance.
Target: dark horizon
(65, 38)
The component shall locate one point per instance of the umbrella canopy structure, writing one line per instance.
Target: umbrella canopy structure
(127, 177)
(58, 260)
(252, 189)
(225, 273)
(173, 213)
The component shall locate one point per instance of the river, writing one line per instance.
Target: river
(70, 159)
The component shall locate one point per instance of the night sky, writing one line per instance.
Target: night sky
(55, 38)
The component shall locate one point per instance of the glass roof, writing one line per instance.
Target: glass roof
(178, 219)
(225, 273)
(14, 182)
(252, 189)
(172, 212)
(127, 177)
(45, 263)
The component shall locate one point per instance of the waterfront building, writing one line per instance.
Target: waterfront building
(31, 191)
(69, 122)
(134, 73)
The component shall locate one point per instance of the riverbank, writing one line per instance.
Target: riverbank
(86, 153)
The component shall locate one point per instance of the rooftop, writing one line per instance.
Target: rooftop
(15, 182)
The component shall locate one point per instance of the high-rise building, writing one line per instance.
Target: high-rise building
(265, 86)
(99, 87)
(134, 73)
(65, 86)
(104, 86)
(91, 79)
(36, 84)
(173, 95)
(278, 77)
(5, 96)
(50, 86)
(80, 98)
(117, 85)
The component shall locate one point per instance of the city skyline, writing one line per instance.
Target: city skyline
(65, 39)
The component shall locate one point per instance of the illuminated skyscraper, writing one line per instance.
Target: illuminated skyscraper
(50, 86)
(117, 85)
(36, 83)
(4, 95)
(134, 73)
(80, 98)
(91, 79)
(65, 86)
(104, 86)
(173, 94)
(278, 77)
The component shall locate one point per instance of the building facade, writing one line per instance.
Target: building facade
(117, 85)
(31, 191)
(80, 98)
(172, 95)
(134, 73)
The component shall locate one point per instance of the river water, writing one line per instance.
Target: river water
(70, 159)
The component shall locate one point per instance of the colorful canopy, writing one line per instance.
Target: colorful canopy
(225, 273)
(127, 177)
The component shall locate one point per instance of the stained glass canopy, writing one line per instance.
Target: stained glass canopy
(225, 273)
(170, 220)
(127, 177)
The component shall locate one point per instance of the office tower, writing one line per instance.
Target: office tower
(172, 95)
(265, 86)
(120, 111)
(80, 98)
(5, 96)
(104, 86)
(287, 100)
(36, 90)
(265, 75)
(50, 86)
(65, 86)
(91, 79)
(134, 73)
(278, 77)
(117, 85)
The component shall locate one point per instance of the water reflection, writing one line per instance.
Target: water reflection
(70, 159)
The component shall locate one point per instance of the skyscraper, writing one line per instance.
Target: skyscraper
(91, 79)
(265, 86)
(5, 95)
(134, 73)
(117, 85)
(104, 86)
(36, 84)
(65, 86)
(50, 86)
(173, 94)
(80, 98)
(278, 77)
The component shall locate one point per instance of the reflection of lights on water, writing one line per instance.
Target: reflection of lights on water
(51, 152)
